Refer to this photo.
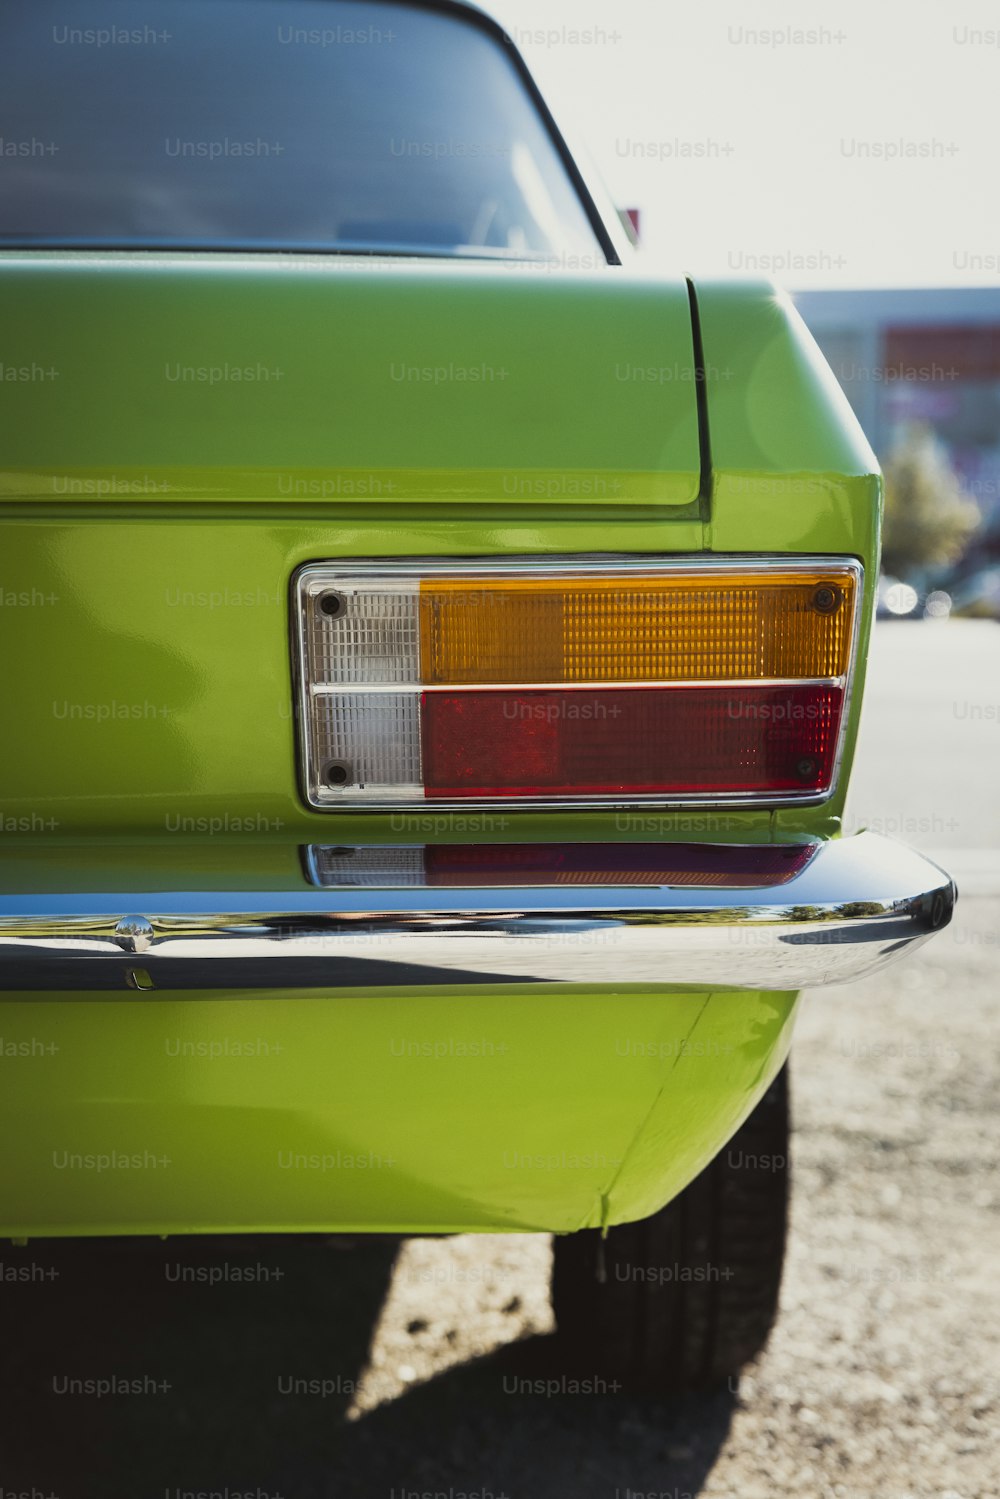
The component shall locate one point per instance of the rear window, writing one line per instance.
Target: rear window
(350, 125)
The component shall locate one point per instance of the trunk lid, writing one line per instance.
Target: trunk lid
(173, 377)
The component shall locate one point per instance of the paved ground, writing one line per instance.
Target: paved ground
(882, 1380)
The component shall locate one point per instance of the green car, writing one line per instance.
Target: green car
(433, 650)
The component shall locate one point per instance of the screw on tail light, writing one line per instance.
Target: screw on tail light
(332, 604)
(827, 599)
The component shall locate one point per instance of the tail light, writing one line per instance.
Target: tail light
(574, 682)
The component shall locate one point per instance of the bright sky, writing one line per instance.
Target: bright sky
(867, 149)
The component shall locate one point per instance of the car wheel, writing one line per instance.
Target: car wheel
(682, 1300)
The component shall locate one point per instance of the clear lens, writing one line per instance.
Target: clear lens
(367, 739)
(361, 633)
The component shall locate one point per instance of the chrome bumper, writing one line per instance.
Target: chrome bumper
(851, 906)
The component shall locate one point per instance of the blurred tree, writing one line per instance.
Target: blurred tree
(929, 519)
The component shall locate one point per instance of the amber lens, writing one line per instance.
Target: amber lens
(699, 628)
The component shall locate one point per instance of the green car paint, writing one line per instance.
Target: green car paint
(267, 377)
(386, 1111)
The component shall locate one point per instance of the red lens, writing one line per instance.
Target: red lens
(643, 740)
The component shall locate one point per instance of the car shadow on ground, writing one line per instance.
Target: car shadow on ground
(176, 1369)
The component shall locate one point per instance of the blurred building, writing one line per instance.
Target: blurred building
(929, 356)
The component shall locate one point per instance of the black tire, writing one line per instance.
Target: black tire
(682, 1300)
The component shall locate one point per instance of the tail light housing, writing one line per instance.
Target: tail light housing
(574, 682)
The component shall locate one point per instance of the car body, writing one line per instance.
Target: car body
(206, 1026)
